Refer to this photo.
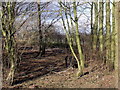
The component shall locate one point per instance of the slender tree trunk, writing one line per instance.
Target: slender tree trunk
(114, 36)
(8, 18)
(1, 58)
(108, 31)
(92, 8)
(80, 70)
(101, 17)
(81, 57)
(100, 32)
(114, 33)
(68, 37)
(41, 43)
(95, 28)
(116, 13)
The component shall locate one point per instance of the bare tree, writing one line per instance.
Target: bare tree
(8, 18)
(80, 57)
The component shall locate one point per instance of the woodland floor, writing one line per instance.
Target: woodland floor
(50, 72)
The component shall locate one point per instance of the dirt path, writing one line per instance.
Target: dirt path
(50, 72)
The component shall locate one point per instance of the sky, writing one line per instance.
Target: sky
(84, 19)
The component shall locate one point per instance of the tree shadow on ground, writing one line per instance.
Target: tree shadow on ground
(32, 68)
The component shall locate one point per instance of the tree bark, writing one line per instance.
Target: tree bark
(8, 18)
(117, 33)
(41, 43)
(113, 36)
(92, 9)
(95, 27)
(101, 17)
(108, 31)
(81, 57)
(69, 39)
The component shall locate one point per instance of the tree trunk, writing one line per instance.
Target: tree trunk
(100, 32)
(92, 9)
(68, 36)
(7, 31)
(95, 27)
(117, 33)
(81, 57)
(41, 43)
(101, 17)
(114, 33)
(1, 58)
(108, 31)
